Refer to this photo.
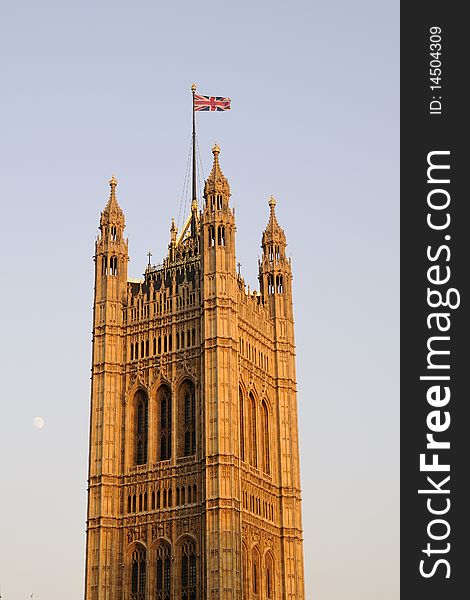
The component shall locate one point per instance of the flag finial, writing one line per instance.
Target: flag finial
(193, 87)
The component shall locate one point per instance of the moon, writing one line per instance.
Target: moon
(38, 422)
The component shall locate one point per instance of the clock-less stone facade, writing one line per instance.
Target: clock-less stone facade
(194, 485)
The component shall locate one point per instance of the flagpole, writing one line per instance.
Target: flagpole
(194, 198)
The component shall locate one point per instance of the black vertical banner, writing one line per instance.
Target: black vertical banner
(435, 303)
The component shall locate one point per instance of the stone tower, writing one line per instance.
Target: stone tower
(194, 484)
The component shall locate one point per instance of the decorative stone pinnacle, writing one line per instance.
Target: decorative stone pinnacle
(113, 184)
(194, 205)
(216, 183)
(272, 202)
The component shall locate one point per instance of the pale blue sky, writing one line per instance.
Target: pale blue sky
(92, 88)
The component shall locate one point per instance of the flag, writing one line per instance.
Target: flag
(211, 103)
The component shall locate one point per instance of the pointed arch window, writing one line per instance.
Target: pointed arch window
(253, 433)
(141, 428)
(113, 265)
(211, 236)
(269, 576)
(164, 414)
(104, 265)
(188, 409)
(270, 283)
(138, 573)
(245, 573)
(221, 235)
(163, 575)
(188, 570)
(242, 424)
(265, 425)
(255, 573)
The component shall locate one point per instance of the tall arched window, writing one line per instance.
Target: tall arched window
(221, 235)
(188, 570)
(188, 414)
(163, 575)
(269, 576)
(242, 424)
(270, 283)
(138, 573)
(265, 424)
(254, 445)
(245, 573)
(164, 415)
(104, 265)
(211, 236)
(255, 573)
(141, 427)
(113, 265)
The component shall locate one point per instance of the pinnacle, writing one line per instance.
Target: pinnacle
(112, 210)
(216, 182)
(273, 230)
(273, 224)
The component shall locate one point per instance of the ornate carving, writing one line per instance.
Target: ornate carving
(238, 333)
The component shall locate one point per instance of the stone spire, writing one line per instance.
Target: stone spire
(112, 212)
(273, 234)
(216, 183)
(173, 232)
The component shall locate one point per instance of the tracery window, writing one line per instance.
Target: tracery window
(188, 399)
(104, 265)
(221, 235)
(266, 459)
(141, 427)
(164, 408)
(138, 573)
(255, 572)
(163, 575)
(254, 445)
(188, 570)
(113, 265)
(211, 236)
(242, 425)
(245, 573)
(270, 283)
(269, 576)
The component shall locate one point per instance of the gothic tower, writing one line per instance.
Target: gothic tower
(194, 485)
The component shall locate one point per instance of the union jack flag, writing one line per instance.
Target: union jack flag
(211, 103)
